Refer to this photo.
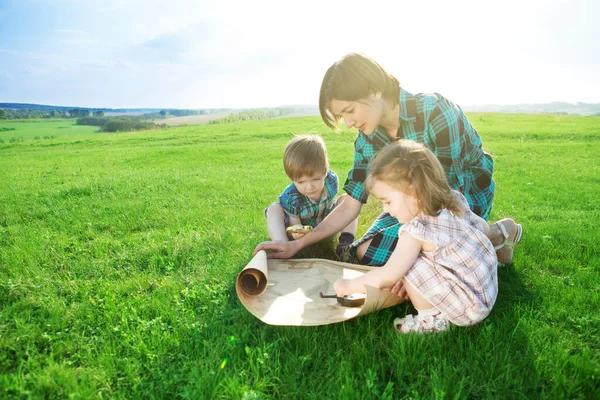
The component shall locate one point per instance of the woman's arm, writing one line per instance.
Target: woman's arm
(403, 257)
(337, 220)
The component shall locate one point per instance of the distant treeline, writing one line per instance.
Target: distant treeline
(180, 113)
(119, 124)
(256, 115)
(48, 108)
(30, 111)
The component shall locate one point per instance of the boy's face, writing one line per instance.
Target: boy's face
(311, 185)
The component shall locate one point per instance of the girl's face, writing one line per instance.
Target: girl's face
(398, 204)
(311, 185)
(365, 114)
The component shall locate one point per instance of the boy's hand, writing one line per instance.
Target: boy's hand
(297, 235)
(298, 230)
(278, 249)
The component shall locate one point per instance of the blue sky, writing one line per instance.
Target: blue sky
(200, 54)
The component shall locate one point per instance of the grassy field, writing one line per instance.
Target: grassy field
(43, 129)
(118, 254)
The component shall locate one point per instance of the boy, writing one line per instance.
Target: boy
(311, 195)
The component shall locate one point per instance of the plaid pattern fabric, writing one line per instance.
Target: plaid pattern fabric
(310, 212)
(459, 278)
(444, 129)
(384, 232)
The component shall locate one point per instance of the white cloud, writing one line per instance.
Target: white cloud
(185, 53)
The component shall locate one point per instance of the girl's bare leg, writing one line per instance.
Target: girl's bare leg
(418, 301)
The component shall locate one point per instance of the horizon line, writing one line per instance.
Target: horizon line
(280, 106)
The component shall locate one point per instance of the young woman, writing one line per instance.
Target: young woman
(360, 92)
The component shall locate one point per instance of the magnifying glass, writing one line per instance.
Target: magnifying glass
(350, 300)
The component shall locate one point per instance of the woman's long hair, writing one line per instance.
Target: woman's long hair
(352, 78)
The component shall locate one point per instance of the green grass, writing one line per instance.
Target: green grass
(118, 254)
(42, 129)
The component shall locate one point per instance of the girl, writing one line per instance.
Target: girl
(443, 261)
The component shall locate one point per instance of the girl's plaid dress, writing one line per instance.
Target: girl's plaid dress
(459, 277)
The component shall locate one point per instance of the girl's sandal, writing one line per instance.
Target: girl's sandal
(505, 256)
(416, 324)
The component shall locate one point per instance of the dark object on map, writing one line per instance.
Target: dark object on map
(350, 300)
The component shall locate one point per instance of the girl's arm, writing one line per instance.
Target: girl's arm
(403, 257)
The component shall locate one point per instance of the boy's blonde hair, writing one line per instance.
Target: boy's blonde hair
(305, 155)
(413, 169)
(352, 78)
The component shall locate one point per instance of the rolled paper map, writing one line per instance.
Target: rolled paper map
(252, 281)
(292, 294)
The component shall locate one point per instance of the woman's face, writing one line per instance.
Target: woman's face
(364, 114)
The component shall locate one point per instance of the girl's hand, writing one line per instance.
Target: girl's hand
(399, 290)
(341, 287)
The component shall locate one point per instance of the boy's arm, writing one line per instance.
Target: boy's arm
(294, 220)
(339, 218)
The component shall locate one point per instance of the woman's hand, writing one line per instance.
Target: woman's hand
(278, 249)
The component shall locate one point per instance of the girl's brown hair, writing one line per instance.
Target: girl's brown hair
(412, 168)
(352, 78)
(305, 155)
